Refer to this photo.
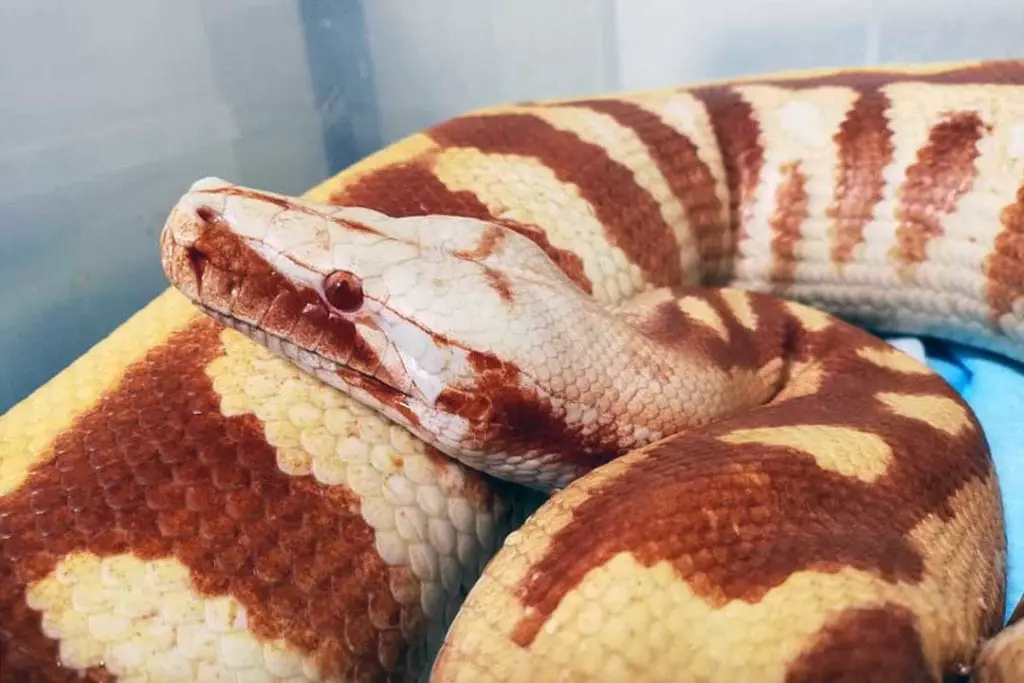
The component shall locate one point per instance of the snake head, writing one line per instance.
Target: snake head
(411, 316)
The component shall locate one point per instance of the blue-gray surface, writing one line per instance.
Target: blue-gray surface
(93, 155)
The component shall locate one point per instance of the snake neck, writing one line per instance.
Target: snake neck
(654, 366)
(687, 347)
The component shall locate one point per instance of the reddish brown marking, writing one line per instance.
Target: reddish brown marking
(663, 322)
(412, 189)
(569, 262)
(680, 504)
(156, 470)
(499, 283)
(437, 459)
(1004, 266)
(500, 410)
(492, 239)
(629, 214)
(353, 225)
(864, 146)
(17, 665)
(382, 391)
(409, 189)
(790, 213)
(738, 136)
(680, 164)
(943, 173)
(877, 643)
(343, 290)
(864, 139)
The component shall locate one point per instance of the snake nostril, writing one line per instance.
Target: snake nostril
(208, 215)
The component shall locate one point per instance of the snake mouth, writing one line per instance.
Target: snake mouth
(325, 369)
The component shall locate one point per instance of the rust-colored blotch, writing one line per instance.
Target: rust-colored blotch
(156, 470)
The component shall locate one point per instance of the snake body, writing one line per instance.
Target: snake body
(310, 458)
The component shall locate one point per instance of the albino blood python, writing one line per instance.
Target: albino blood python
(304, 460)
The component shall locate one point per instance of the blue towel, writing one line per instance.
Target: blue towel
(994, 388)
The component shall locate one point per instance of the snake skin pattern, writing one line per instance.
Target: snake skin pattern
(261, 488)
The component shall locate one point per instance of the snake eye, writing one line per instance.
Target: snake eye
(344, 290)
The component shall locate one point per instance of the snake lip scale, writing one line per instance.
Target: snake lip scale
(289, 350)
(566, 390)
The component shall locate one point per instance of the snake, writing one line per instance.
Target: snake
(582, 389)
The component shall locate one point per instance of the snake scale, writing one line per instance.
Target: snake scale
(573, 390)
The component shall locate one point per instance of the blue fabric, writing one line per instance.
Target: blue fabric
(994, 388)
